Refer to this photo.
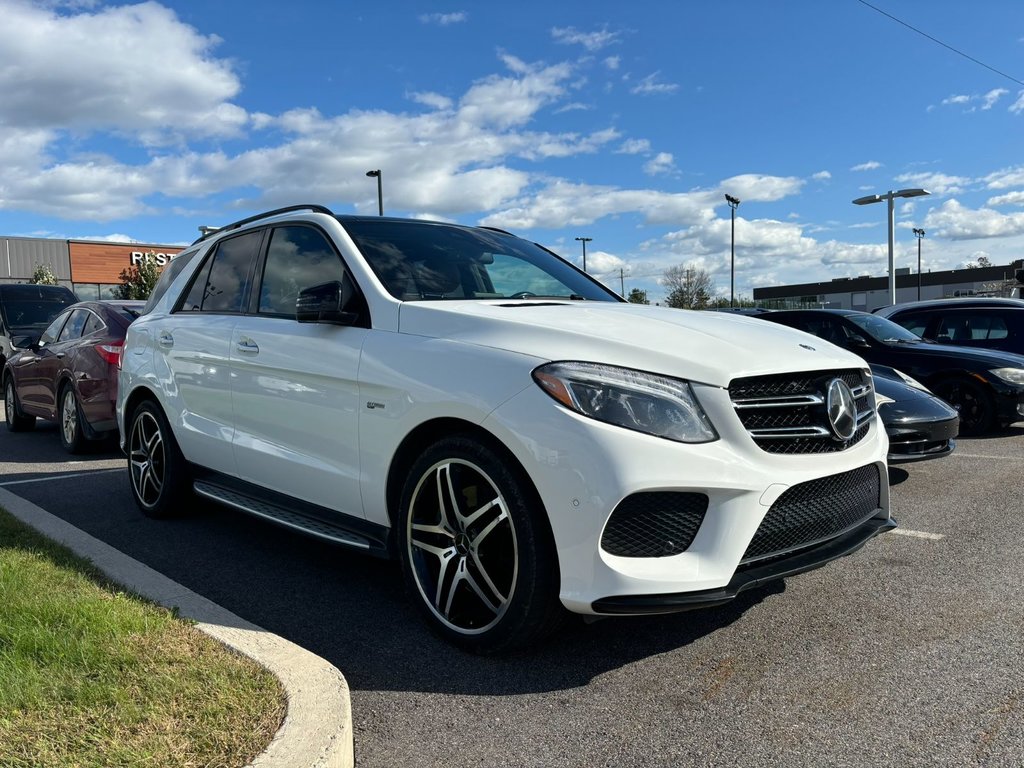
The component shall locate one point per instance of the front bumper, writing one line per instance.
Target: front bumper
(919, 429)
(745, 578)
(584, 470)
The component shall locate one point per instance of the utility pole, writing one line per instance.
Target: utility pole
(584, 240)
(622, 283)
(919, 234)
(734, 203)
(380, 189)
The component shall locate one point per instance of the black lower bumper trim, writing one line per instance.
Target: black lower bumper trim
(790, 565)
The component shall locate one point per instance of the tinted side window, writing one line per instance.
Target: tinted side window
(193, 301)
(298, 257)
(915, 323)
(228, 279)
(93, 325)
(171, 271)
(53, 330)
(73, 328)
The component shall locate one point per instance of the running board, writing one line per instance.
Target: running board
(282, 516)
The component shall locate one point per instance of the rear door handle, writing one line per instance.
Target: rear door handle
(247, 345)
(166, 339)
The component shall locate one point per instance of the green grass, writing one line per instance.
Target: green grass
(93, 676)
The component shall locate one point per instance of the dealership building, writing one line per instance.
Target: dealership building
(92, 269)
(870, 293)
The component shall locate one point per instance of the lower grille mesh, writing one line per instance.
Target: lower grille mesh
(815, 511)
(654, 524)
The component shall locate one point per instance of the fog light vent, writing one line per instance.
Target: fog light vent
(654, 524)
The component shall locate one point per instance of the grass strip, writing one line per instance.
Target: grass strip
(93, 676)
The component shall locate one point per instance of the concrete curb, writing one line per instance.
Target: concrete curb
(317, 730)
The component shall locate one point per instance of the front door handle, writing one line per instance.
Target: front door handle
(166, 339)
(247, 345)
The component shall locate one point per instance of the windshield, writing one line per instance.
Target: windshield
(885, 331)
(28, 314)
(428, 261)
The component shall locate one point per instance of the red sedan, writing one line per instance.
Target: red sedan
(69, 374)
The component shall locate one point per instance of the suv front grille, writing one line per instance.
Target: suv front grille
(787, 413)
(816, 511)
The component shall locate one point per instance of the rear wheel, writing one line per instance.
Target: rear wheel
(476, 548)
(16, 420)
(974, 403)
(69, 417)
(157, 471)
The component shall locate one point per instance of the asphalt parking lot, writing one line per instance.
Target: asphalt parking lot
(908, 653)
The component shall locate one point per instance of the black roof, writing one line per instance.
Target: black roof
(971, 302)
(31, 291)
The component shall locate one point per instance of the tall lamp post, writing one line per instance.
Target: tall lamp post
(919, 234)
(734, 203)
(380, 190)
(584, 240)
(889, 197)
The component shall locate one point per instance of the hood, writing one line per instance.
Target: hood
(707, 347)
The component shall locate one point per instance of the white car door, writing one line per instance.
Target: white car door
(294, 385)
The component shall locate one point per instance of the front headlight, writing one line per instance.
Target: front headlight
(1010, 375)
(635, 400)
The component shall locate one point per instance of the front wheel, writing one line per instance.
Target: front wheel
(16, 420)
(973, 402)
(69, 417)
(157, 470)
(476, 548)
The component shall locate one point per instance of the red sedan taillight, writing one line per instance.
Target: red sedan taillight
(111, 353)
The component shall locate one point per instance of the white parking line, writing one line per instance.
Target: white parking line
(62, 477)
(919, 534)
(983, 456)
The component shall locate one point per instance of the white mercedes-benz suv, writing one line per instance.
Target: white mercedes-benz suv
(521, 439)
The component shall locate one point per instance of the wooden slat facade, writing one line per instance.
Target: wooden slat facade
(103, 262)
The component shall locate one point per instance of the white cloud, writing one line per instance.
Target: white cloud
(957, 222)
(661, 163)
(433, 100)
(111, 74)
(592, 41)
(1011, 198)
(936, 183)
(987, 100)
(634, 147)
(821, 176)
(992, 97)
(650, 85)
(1005, 178)
(1018, 105)
(870, 165)
(613, 62)
(444, 19)
(959, 99)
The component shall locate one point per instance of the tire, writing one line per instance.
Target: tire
(70, 421)
(973, 402)
(476, 548)
(157, 471)
(16, 420)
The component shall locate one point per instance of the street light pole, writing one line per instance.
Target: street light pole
(889, 197)
(584, 240)
(919, 234)
(380, 189)
(734, 203)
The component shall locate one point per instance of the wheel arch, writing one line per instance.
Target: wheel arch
(429, 432)
(131, 402)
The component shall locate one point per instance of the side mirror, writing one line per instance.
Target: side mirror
(24, 341)
(858, 342)
(326, 303)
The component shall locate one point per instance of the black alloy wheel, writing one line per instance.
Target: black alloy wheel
(16, 420)
(973, 402)
(476, 548)
(157, 470)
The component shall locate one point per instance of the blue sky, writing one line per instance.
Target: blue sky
(623, 122)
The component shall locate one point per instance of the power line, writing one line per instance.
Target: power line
(944, 45)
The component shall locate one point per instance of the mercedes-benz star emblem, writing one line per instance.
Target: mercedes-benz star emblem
(842, 409)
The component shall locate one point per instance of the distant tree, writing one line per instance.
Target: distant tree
(637, 296)
(689, 287)
(43, 275)
(720, 302)
(137, 281)
(982, 261)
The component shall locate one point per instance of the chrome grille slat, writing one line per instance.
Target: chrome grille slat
(787, 413)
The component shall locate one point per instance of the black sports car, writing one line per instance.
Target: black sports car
(920, 425)
(986, 387)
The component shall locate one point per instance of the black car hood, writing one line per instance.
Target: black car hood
(988, 358)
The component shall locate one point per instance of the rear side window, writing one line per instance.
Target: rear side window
(298, 257)
(93, 325)
(222, 283)
(73, 327)
(972, 326)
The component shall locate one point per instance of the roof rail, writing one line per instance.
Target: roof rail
(267, 214)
